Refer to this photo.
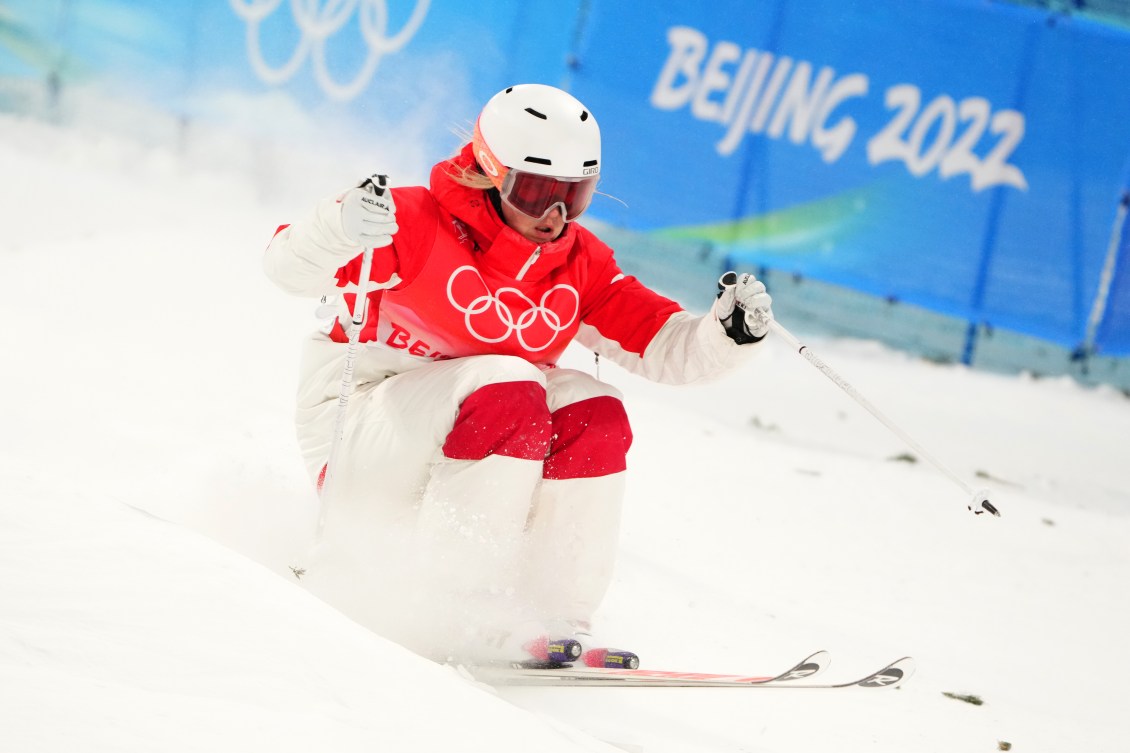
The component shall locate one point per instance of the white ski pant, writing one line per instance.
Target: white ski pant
(473, 493)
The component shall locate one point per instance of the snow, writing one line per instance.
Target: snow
(154, 499)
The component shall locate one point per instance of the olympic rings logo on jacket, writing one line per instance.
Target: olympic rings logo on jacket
(493, 317)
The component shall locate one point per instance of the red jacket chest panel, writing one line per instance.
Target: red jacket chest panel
(456, 305)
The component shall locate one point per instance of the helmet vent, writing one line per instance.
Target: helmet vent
(536, 114)
(588, 163)
(584, 115)
(539, 160)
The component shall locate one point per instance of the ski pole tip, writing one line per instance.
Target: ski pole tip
(981, 504)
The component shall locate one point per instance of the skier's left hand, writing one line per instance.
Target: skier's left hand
(743, 307)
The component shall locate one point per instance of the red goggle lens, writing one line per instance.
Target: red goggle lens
(535, 195)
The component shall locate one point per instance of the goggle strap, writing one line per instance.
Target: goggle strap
(491, 166)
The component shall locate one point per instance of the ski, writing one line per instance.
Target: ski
(889, 676)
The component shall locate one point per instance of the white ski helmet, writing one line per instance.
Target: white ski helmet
(537, 129)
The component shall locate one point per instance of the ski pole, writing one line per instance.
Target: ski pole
(979, 500)
(359, 314)
(360, 309)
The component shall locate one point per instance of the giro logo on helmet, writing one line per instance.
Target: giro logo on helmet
(494, 317)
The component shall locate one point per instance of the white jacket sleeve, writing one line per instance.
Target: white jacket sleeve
(303, 258)
(685, 350)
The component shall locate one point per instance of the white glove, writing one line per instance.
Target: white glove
(743, 294)
(368, 213)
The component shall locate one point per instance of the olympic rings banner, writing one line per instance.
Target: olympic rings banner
(968, 156)
(412, 70)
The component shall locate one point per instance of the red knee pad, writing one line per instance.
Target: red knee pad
(507, 418)
(590, 438)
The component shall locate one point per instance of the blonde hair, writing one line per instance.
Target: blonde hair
(469, 176)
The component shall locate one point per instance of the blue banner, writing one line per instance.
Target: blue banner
(966, 156)
(417, 66)
(963, 155)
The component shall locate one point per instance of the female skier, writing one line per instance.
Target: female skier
(476, 491)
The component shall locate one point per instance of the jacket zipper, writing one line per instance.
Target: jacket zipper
(529, 263)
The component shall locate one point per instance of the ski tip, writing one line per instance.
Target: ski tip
(818, 662)
(890, 676)
(823, 658)
(810, 666)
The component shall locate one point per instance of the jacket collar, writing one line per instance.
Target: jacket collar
(503, 249)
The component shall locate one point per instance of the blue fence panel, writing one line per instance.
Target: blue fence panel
(964, 157)
(29, 32)
(1113, 326)
(418, 64)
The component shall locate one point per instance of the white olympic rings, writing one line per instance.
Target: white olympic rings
(317, 23)
(550, 321)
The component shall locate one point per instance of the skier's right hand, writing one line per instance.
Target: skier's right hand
(368, 213)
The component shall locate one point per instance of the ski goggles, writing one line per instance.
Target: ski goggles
(536, 195)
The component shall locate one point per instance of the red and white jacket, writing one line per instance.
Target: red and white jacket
(463, 283)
